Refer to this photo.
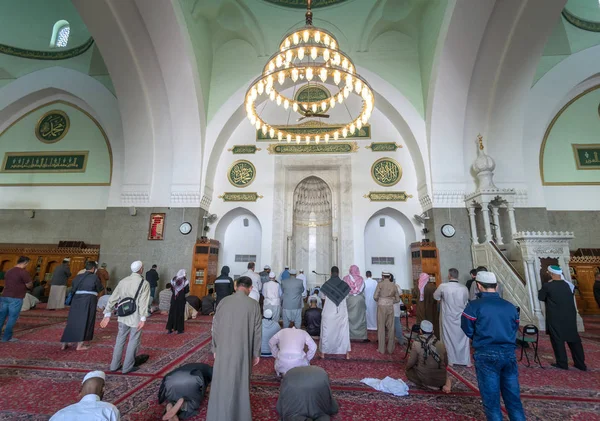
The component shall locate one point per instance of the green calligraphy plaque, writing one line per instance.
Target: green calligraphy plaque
(386, 172)
(312, 129)
(52, 127)
(587, 157)
(322, 148)
(385, 196)
(244, 149)
(383, 146)
(313, 93)
(240, 197)
(44, 162)
(241, 173)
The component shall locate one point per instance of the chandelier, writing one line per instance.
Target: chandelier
(305, 57)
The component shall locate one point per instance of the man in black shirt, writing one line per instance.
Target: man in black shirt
(152, 278)
(470, 281)
(312, 318)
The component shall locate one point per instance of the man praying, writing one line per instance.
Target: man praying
(287, 346)
(312, 318)
(292, 300)
(183, 390)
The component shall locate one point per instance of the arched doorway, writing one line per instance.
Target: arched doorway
(312, 228)
(240, 233)
(388, 234)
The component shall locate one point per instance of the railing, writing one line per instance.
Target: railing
(514, 286)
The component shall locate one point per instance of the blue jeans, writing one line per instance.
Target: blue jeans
(152, 291)
(11, 308)
(398, 330)
(498, 372)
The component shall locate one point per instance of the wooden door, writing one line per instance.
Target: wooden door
(586, 276)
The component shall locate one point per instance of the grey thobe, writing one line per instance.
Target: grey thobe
(454, 297)
(292, 288)
(58, 287)
(236, 340)
(357, 315)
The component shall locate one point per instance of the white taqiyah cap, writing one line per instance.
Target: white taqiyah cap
(93, 374)
(486, 277)
(292, 271)
(426, 326)
(286, 267)
(272, 275)
(267, 267)
(135, 266)
(268, 313)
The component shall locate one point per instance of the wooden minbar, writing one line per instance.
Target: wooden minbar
(584, 265)
(204, 266)
(46, 257)
(425, 258)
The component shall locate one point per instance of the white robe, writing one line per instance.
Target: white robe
(454, 297)
(370, 286)
(335, 329)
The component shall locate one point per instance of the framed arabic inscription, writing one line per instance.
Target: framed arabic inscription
(587, 157)
(241, 173)
(44, 162)
(52, 126)
(386, 172)
(157, 226)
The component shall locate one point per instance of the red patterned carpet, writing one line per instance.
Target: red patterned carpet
(36, 363)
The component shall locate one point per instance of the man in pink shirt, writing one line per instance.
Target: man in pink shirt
(287, 347)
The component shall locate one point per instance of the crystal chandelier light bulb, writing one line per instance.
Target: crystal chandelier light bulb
(298, 139)
(346, 92)
(257, 125)
(289, 138)
(272, 95)
(295, 107)
(286, 104)
(337, 77)
(317, 36)
(278, 99)
(336, 135)
(288, 56)
(301, 53)
(359, 124)
(296, 38)
(260, 87)
(271, 66)
(306, 36)
(317, 139)
(332, 102)
(279, 136)
(326, 55)
(309, 74)
(278, 61)
(287, 43)
(313, 53)
(281, 78)
(340, 98)
(326, 39)
(345, 64)
(307, 140)
(323, 106)
(352, 128)
(323, 74)
(358, 86)
(349, 82)
(264, 129)
(332, 45)
(344, 132)
(314, 108)
(294, 75)
(272, 133)
(327, 138)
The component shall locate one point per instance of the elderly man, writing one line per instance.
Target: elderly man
(272, 294)
(287, 346)
(454, 297)
(131, 322)
(305, 394)
(91, 406)
(58, 286)
(561, 319)
(183, 390)
(292, 300)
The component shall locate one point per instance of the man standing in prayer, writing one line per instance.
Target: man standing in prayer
(82, 313)
(183, 390)
(134, 286)
(256, 283)
(285, 274)
(335, 331)
(103, 275)
(469, 284)
(236, 345)
(370, 286)
(223, 285)
(305, 394)
(58, 286)
(287, 346)
(357, 307)
(454, 298)
(272, 293)
(269, 328)
(292, 300)
(312, 317)
(561, 319)
(492, 323)
(397, 314)
(152, 278)
(302, 277)
(386, 294)
(264, 275)
(91, 406)
(426, 366)
(427, 306)
(474, 293)
(16, 283)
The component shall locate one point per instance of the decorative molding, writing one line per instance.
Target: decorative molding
(386, 172)
(59, 54)
(135, 198)
(241, 173)
(385, 196)
(244, 149)
(185, 198)
(323, 148)
(315, 128)
(586, 25)
(240, 197)
(532, 235)
(383, 146)
(205, 202)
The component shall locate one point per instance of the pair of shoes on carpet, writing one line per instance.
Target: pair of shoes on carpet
(559, 367)
(582, 368)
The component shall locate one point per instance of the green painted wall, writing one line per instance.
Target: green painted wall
(578, 124)
(83, 135)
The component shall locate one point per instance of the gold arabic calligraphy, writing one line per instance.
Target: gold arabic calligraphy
(386, 172)
(62, 163)
(242, 173)
(53, 126)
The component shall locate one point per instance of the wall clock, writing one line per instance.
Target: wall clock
(448, 230)
(185, 228)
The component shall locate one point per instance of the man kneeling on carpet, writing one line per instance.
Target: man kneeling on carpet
(91, 406)
(426, 366)
(287, 346)
(305, 394)
(183, 390)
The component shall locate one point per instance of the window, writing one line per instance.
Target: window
(245, 258)
(60, 34)
(382, 260)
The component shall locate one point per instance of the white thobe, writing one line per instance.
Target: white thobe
(272, 293)
(287, 346)
(256, 282)
(29, 302)
(303, 278)
(454, 297)
(335, 328)
(254, 294)
(90, 407)
(370, 286)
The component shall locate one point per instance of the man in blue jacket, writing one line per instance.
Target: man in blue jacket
(492, 324)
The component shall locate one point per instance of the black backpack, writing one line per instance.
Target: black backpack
(127, 306)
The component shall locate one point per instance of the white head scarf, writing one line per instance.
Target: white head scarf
(558, 271)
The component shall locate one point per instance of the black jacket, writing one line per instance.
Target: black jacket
(312, 321)
(223, 285)
(152, 278)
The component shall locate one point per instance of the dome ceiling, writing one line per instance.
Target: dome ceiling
(301, 4)
(584, 14)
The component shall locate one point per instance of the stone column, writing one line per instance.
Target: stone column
(511, 218)
(496, 220)
(288, 256)
(473, 223)
(532, 285)
(334, 251)
(486, 221)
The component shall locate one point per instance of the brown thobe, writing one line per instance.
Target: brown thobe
(103, 276)
(236, 340)
(386, 295)
(428, 308)
(427, 372)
